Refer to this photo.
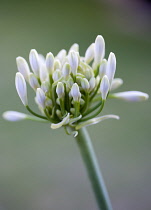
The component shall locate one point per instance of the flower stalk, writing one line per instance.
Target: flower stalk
(90, 161)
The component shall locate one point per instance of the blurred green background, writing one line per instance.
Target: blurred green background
(41, 169)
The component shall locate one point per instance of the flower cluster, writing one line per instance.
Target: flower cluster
(70, 90)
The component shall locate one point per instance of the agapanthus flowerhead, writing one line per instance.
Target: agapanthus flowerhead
(70, 90)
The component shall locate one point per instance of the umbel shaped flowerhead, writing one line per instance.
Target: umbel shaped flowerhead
(70, 90)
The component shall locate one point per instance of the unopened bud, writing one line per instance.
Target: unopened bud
(131, 96)
(74, 47)
(56, 75)
(116, 83)
(23, 67)
(50, 62)
(33, 81)
(40, 97)
(111, 67)
(89, 54)
(57, 64)
(21, 88)
(45, 86)
(85, 84)
(104, 87)
(66, 70)
(73, 61)
(34, 62)
(61, 55)
(75, 92)
(60, 90)
(99, 49)
(102, 69)
(92, 83)
(14, 116)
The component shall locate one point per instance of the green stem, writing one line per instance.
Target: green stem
(93, 170)
(37, 115)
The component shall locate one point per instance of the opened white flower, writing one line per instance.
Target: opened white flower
(70, 90)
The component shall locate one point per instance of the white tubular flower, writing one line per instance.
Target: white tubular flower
(116, 83)
(75, 92)
(21, 88)
(14, 116)
(43, 73)
(111, 67)
(85, 84)
(131, 96)
(60, 90)
(74, 47)
(62, 55)
(40, 97)
(99, 49)
(89, 54)
(45, 86)
(104, 87)
(66, 70)
(73, 61)
(50, 62)
(23, 67)
(92, 83)
(34, 62)
(57, 64)
(33, 81)
(56, 75)
(102, 69)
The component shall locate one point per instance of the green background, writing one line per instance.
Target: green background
(41, 169)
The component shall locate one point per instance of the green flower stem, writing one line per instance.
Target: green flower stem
(94, 115)
(37, 115)
(92, 109)
(93, 170)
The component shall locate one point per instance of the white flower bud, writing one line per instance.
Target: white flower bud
(50, 62)
(89, 73)
(56, 75)
(48, 102)
(131, 96)
(57, 64)
(14, 116)
(85, 84)
(34, 62)
(89, 54)
(74, 47)
(92, 83)
(21, 88)
(75, 92)
(99, 49)
(111, 67)
(33, 81)
(102, 69)
(23, 67)
(45, 86)
(43, 73)
(61, 55)
(104, 87)
(60, 90)
(66, 70)
(73, 61)
(116, 83)
(40, 97)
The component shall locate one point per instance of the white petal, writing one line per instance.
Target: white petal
(111, 67)
(75, 92)
(131, 96)
(89, 54)
(21, 88)
(99, 49)
(33, 81)
(14, 116)
(96, 120)
(40, 97)
(23, 67)
(104, 87)
(34, 62)
(65, 121)
(116, 83)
